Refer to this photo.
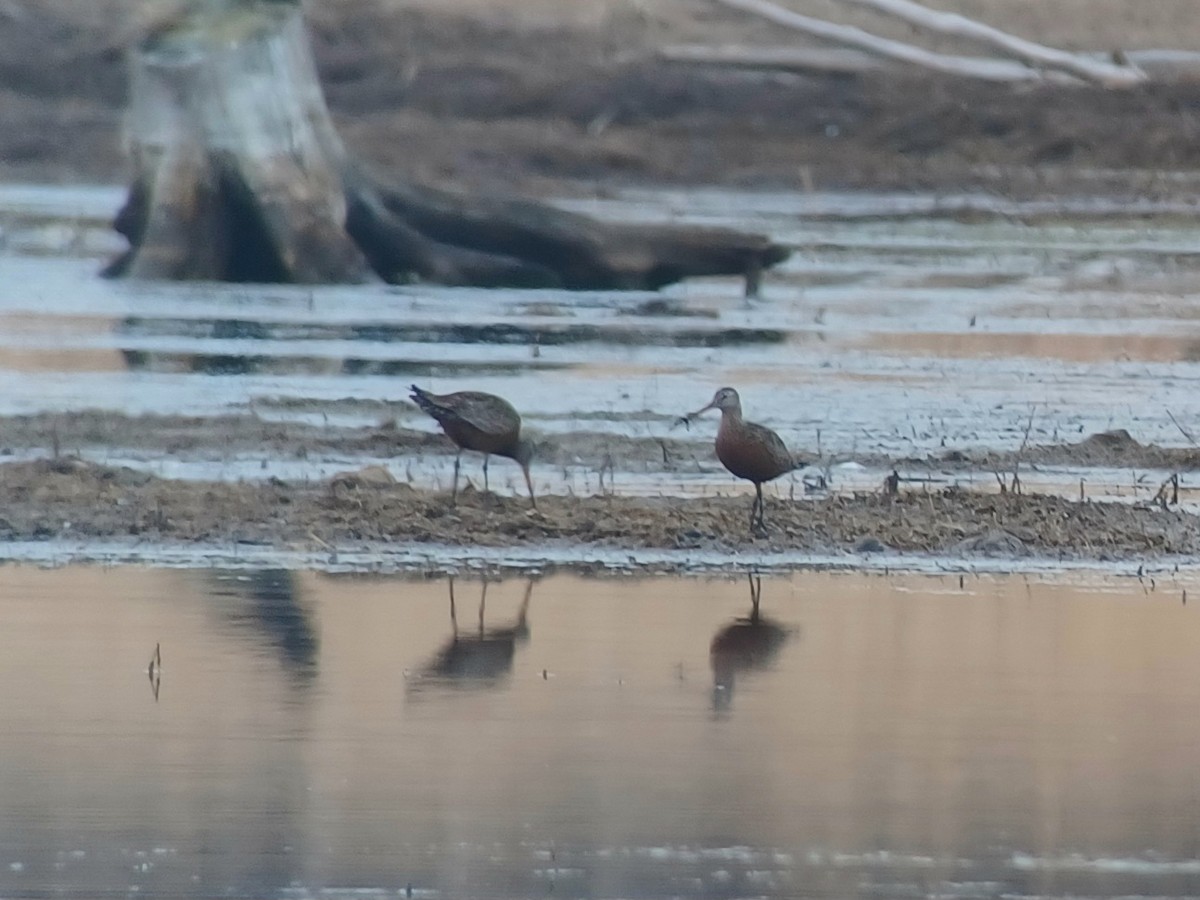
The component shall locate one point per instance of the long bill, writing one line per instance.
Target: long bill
(687, 419)
(529, 484)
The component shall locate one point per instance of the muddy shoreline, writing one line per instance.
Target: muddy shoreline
(65, 498)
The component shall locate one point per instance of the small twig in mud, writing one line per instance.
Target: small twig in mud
(817, 481)
(891, 484)
(607, 465)
(155, 670)
(1016, 476)
(665, 452)
(1161, 499)
(1191, 440)
(160, 518)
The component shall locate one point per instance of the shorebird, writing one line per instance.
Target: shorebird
(481, 422)
(747, 449)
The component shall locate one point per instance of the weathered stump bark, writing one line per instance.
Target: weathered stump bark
(239, 175)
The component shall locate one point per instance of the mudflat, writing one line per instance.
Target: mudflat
(68, 498)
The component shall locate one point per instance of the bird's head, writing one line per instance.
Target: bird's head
(726, 400)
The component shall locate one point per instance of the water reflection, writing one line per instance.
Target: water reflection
(283, 348)
(154, 671)
(479, 657)
(746, 645)
(930, 738)
(271, 609)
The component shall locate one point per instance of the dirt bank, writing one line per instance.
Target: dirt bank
(538, 98)
(67, 498)
(60, 497)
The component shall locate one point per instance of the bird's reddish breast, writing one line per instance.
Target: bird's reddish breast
(751, 452)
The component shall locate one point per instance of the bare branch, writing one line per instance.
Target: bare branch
(827, 59)
(850, 36)
(1098, 71)
(1016, 476)
(1191, 440)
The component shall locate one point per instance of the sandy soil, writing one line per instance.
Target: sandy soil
(569, 97)
(66, 498)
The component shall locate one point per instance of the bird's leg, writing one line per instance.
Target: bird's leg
(485, 480)
(758, 504)
(454, 489)
(453, 616)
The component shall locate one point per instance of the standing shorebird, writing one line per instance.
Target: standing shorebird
(481, 422)
(747, 449)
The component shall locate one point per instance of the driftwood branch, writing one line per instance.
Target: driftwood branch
(845, 61)
(1102, 72)
(240, 175)
(1158, 65)
(1082, 68)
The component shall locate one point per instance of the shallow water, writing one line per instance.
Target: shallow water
(312, 735)
(903, 326)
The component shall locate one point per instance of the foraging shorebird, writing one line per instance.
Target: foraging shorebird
(481, 422)
(747, 449)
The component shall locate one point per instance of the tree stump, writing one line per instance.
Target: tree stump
(239, 175)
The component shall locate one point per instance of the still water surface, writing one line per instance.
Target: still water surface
(869, 736)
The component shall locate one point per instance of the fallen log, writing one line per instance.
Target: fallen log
(1104, 72)
(239, 175)
(847, 62)
(1160, 66)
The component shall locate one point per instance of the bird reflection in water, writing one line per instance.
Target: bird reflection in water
(745, 645)
(271, 609)
(479, 657)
